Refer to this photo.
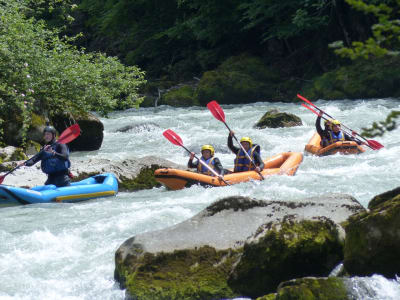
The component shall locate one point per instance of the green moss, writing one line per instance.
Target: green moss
(379, 199)
(199, 273)
(372, 240)
(287, 250)
(331, 288)
(180, 97)
(18, 155)
(144, 180)
(274, 119)
(267, 297)
(378, 79)
(37, 121)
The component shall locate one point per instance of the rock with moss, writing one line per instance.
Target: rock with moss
(275, 119)
(310, 288)
(205, 257)
(132, 174)
(91, 136)
(11, 153)
(372, 238)
(182, 96)
(240, 79)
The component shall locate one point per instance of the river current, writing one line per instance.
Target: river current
(66, 251)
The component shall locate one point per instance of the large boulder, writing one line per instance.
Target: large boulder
(275, 119)
(91, 136)
(181, 96)
(132, 174)
(13, 130)
(220, 252)
(373, 238)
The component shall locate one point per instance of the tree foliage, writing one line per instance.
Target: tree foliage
(45, 74)
(378, 129)
(385, 39)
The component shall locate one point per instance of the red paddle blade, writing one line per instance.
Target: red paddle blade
(306, 106)
(173, 137)
(216, 110)
(69, 134)
(2, 178)
(375, 145)
(304, 99)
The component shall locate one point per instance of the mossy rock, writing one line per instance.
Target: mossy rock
(32, 147)
(372, 238)
(240, 79)
(143, 181)
(268, 297)
(286, 250)
(275, 119)
(11, 153)
(167, 276)
(180, 97)
(379, 79)
(331, 288)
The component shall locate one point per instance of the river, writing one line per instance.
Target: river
(66, 251)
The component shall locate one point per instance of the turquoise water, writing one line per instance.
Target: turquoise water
(66, 251)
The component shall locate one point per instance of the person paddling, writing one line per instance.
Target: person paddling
(242, 163)
(54, 159)
(207, 156)
(333, 133)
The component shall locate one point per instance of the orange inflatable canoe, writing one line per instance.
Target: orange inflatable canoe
(345, 147)
(285, 163)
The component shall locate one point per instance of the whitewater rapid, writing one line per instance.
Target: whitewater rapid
(66, 251)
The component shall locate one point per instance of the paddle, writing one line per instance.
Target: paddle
(176, 140)
(68, 135)
(371, 143)
(219, 114)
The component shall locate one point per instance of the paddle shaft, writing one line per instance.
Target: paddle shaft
(329, 116)
(245, 152)
(329, 121)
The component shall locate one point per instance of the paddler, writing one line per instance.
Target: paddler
(333, 133)
(242, 162)
(55, 159)
(207, 156)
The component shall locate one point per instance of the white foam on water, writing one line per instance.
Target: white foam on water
(66, 251)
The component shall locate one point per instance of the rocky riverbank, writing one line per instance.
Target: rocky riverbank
(246, 247)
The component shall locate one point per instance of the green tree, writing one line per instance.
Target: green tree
(45, 74)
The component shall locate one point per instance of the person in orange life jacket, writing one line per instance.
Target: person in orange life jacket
(207, 156)
(334, 134)
(242, 163)
(54, 159)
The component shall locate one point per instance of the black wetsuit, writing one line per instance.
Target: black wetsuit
(257, 158)
(217, 165)
(58, 178)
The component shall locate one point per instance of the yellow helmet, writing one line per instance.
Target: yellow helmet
(208, 147)
(328, 123)
(247, 139)
(335, 122)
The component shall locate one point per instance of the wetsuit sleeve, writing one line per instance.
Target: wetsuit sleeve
(191, 164)
(231, 146)
(318, 127)
(34, 159)
(62, 152)
(258, 160)
(218, 166)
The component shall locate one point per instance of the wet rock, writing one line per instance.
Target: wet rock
(221, 250)
(373, 239)
(182, 96)
(132, 174)
(139, 127)
(91, 136)
(310, 288)
(11, 153)
(276, 119)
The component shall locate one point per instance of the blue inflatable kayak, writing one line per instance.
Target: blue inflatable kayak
(103, 185)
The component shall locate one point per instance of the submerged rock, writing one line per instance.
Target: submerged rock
(275, 119)
(373, 239)
(311, 288)
(227, 249)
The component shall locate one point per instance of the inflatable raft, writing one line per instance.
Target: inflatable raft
(285, 163)
(345, 147)
(103, 185)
